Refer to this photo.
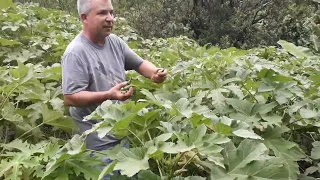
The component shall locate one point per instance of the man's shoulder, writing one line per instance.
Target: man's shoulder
(116, 41)
(113, 36)
(76, 46)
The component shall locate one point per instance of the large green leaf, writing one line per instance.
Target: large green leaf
(148, 175)
(189, 178)
(207, 145)
(223, 129)
(6, 4)
(29, 156)
(248, 151)
(288, 152)
(307, 113)
(25, 147)
(250, 160)
(108, 169)
(130, 162)
(315, 153)
(9, 113)
(257, 114)
(246, 134)
(187, 108)
(72, 158)
(157, 100)
(218, 99)
(117, 118)
(11, 168)
(269, 169)
(57, 119)
(299, 52)
(251, 109)
(145, 119)
(7, 42)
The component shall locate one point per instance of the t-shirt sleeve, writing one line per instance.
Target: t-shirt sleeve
(132, 60)
(75, 76)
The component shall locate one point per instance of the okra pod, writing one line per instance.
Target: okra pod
(160, 69)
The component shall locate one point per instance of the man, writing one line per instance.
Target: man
(93, 68)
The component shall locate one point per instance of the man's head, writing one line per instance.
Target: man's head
(97, 16)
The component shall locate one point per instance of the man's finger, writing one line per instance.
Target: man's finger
(129, 92)
(161, 71)
(161, 74)
(122, 84)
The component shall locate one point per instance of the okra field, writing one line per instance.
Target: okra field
(222, 114)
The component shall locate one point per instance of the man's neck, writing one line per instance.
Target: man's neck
(94, 38)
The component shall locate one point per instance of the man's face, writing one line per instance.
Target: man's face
(100, 19)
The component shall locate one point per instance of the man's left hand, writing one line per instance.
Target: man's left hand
(159, 76)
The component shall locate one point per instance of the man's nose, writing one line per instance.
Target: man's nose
(109, 17)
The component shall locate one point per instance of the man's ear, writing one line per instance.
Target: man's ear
(83, 18)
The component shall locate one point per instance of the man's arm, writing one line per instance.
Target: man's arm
(85, 98)
(144, 67)
(75, 81)
(149, 70)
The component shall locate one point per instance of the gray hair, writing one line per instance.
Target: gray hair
(84, 6)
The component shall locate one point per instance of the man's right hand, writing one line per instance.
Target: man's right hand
(115, 93)
(86, 98)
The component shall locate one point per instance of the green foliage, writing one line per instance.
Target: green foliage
(222, 23)
(6, 3)
(65, 5)
(32, 42)
(35, 35)
(314, 25)
(259, 103)
(23, 160)
(250, 160)
(221, 114)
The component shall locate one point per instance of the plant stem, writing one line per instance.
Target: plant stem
(5, 138)
(159, 133)
(189, 160)
(289, 136)
(31, 130)
(7, 97)
(90, 150)
(136, 136)
(149, 135)
(177, 161)
(312, 137)
(161, 175)
(249, 92)
(158, 164)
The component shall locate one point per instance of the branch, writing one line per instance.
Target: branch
(256, 13)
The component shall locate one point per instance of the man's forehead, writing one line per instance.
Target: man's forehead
(102, 4)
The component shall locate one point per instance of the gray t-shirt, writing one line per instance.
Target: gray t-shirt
(89, 67)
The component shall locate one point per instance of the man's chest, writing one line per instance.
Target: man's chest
(106, 69)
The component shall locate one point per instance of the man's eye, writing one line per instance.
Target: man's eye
(105, 13)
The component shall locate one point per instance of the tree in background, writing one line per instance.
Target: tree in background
(239, 23)
(226, 23)
(69, 6)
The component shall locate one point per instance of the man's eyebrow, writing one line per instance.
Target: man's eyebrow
(105, 11)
